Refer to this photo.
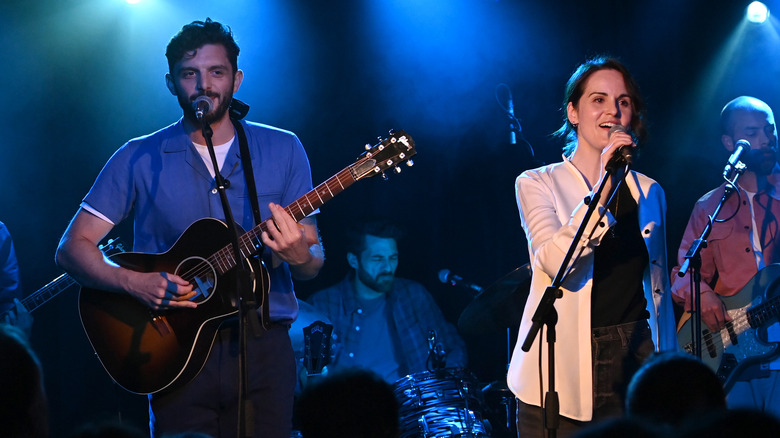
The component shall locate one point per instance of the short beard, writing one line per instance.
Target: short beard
(759, 164)
(373, 283)
(215, 115)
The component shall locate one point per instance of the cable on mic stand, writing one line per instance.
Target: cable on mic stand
(734, 168)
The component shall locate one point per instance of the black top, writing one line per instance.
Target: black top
(619, 263)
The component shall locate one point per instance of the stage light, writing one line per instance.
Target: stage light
(757, 12)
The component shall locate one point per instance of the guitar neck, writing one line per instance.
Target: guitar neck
(764, 312)
(250, 241)
(44, 294)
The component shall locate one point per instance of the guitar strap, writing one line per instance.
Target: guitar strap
(246, 162)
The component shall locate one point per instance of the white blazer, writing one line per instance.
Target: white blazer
(550, 200)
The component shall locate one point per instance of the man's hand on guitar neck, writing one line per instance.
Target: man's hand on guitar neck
(18, 316)
(296, 243)
(713, 313)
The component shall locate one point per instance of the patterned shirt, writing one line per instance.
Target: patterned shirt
(412, 314)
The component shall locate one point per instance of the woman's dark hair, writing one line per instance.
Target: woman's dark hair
(575, 88)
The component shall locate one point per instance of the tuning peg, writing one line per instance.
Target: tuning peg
(368, 147)
(410, 163)
(384, 176)
(397, 169)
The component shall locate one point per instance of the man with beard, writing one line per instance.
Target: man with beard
(742, 245)
(382, 322)
(164, 182)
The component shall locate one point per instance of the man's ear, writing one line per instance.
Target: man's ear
(352, 260)
(728, 142)
(169, 83)
(237, 80)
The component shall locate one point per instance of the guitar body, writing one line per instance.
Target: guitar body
(729, 352)
(146, 351)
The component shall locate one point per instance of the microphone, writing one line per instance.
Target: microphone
(742, 146)
(511, 110)
(445, 276)
(626, 152)
(202, 105)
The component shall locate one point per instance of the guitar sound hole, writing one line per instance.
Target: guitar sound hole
(201, 274)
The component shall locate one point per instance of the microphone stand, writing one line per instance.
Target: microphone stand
(693, 260)
(244, 296)
(546, 314)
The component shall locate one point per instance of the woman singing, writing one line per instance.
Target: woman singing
(616, 309)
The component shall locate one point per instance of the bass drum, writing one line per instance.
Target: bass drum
(441, 403)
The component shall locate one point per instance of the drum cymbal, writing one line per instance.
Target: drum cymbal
(500, 306)
(307, 314)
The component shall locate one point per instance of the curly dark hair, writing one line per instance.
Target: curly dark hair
(195, 35)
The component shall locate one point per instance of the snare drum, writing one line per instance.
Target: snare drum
(442, 403)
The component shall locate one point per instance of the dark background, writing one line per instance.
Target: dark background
(83, 76)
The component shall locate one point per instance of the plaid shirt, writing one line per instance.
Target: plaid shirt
(414, 313)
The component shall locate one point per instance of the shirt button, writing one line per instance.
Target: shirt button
(747, 249)
(601, 224)
(647, 231)
(213, 191)
(360, 311)
(747, 227)
(351, 354)
(357, 328)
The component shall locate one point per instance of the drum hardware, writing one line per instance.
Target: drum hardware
(441, 403)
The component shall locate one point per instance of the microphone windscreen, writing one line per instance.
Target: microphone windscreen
(203, 103)
(617, 128)
(744, 143)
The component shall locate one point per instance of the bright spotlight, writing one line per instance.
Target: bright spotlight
(757, 12)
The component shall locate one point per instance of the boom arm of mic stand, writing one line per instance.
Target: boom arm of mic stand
(547, 303)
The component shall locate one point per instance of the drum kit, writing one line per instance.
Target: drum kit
(450, 402)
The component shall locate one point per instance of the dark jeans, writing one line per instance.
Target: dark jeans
(618, 352)
(208, 404)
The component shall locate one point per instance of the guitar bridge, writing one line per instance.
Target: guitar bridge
(160, 323)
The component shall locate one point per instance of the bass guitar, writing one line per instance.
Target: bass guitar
(146, 351)
(744, 340)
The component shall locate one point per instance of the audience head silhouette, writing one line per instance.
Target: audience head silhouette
(23, 406)
(353, 403)
(671, 386)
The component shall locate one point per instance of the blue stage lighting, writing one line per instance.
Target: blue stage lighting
(757, 12)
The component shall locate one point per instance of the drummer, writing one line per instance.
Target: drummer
(382, 322)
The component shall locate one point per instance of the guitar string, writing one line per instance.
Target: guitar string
(225, 254)
(741, 323)
(225, 257)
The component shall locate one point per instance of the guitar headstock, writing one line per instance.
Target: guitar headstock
(111, 247)
(397, 148)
